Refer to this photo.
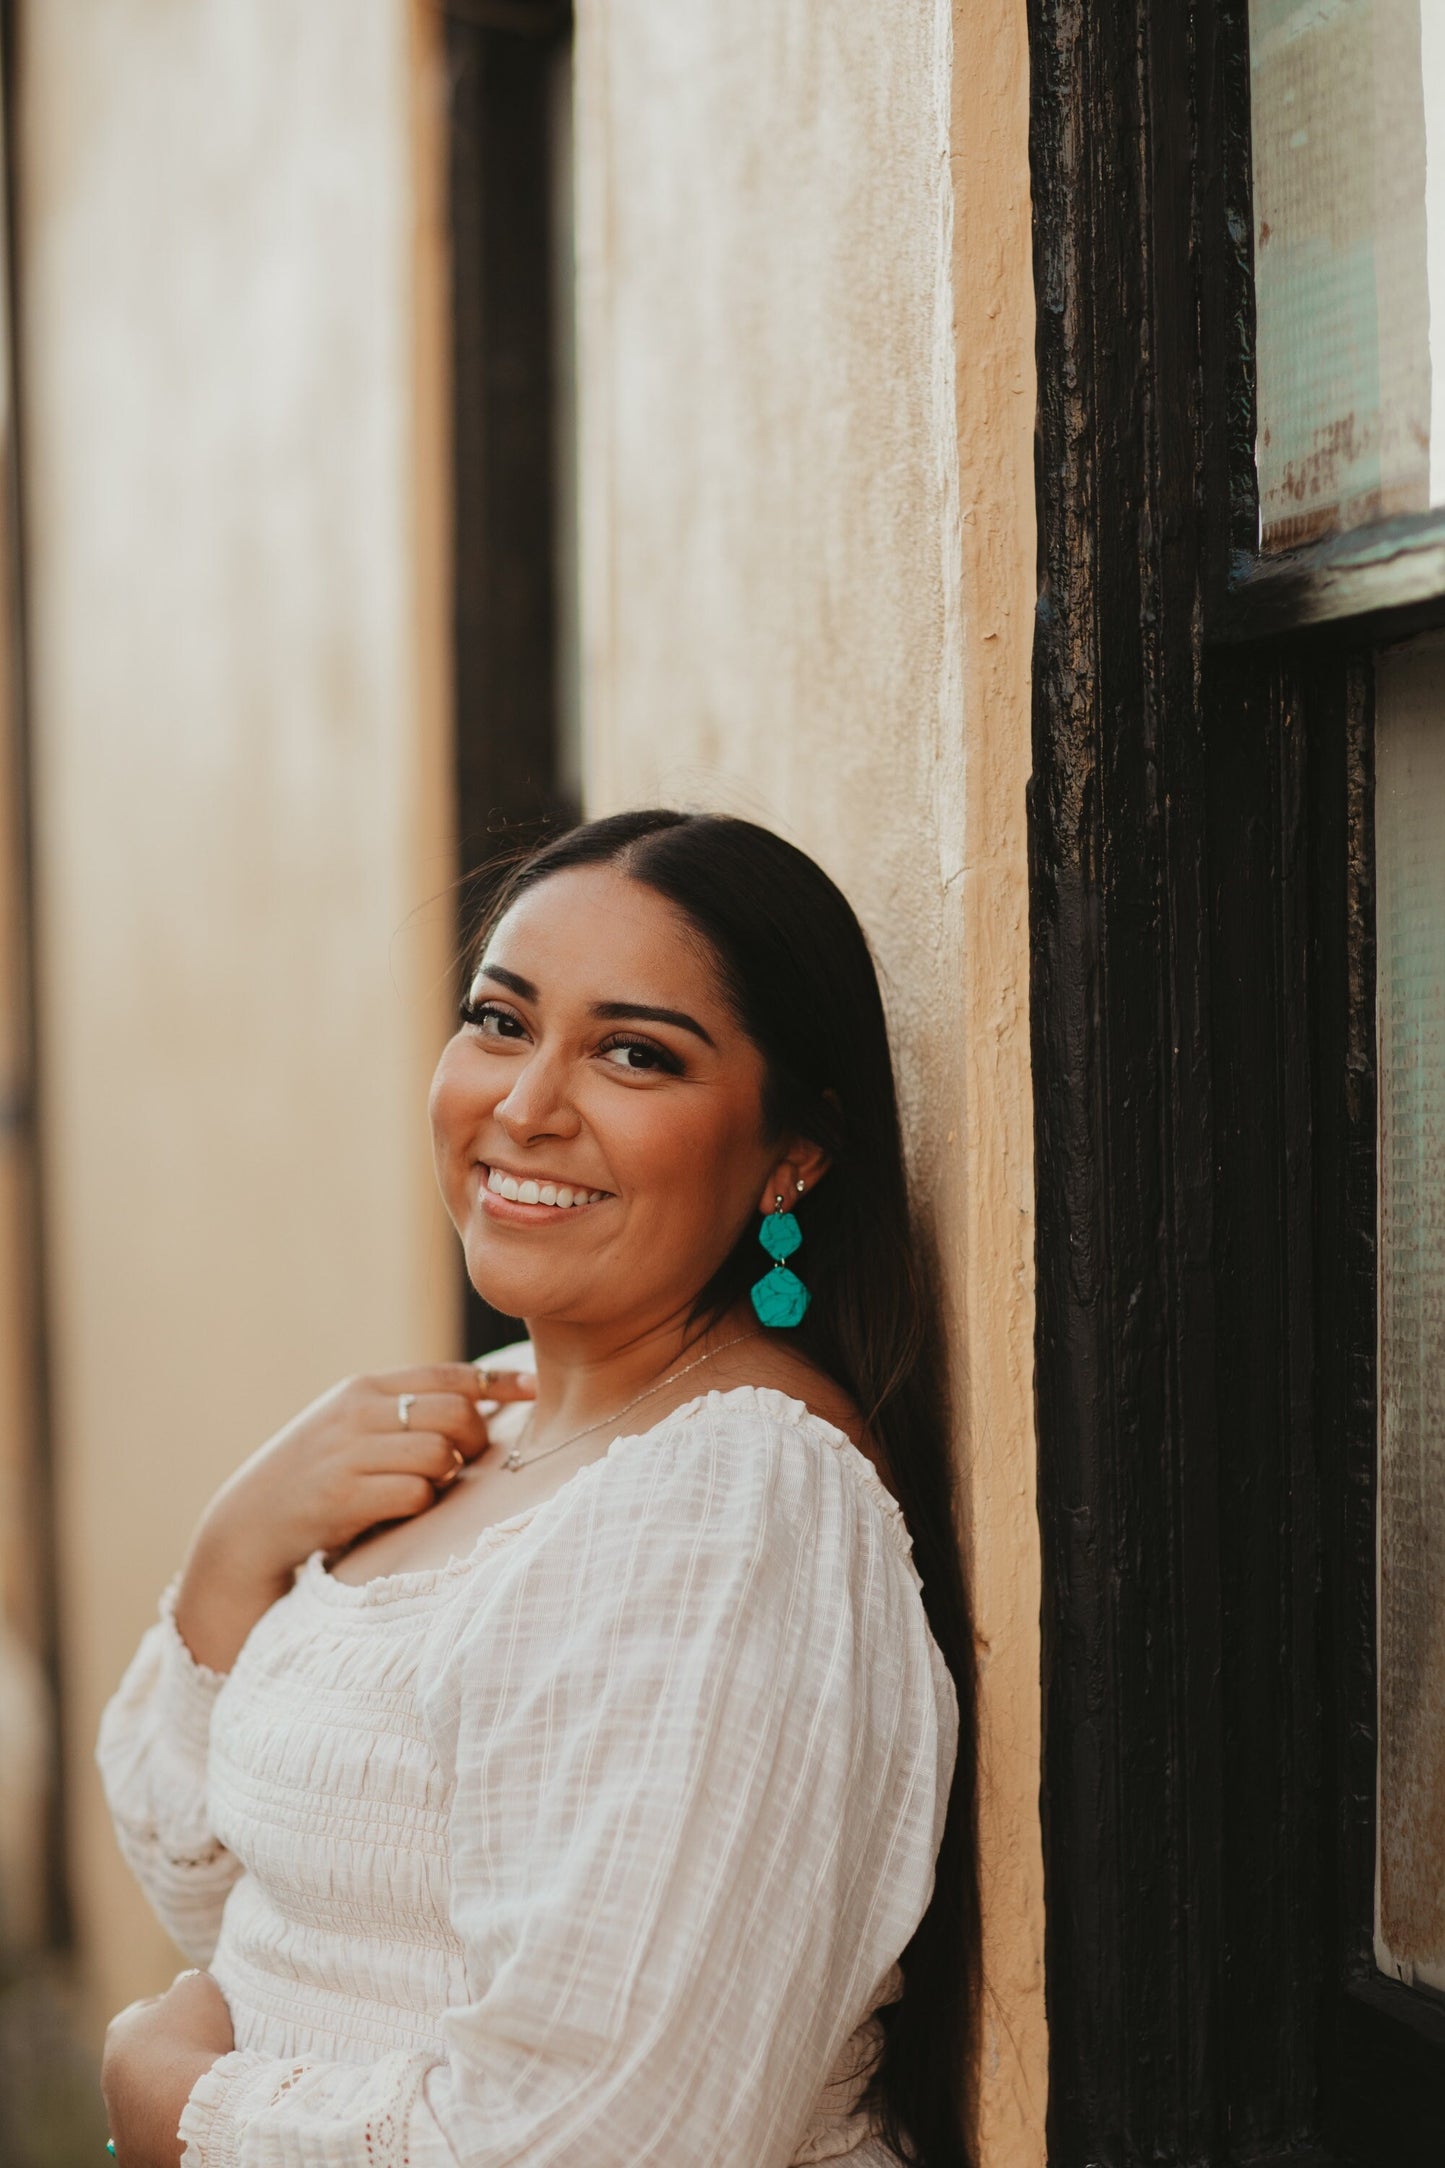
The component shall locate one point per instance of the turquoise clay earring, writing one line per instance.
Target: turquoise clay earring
(780, 1297)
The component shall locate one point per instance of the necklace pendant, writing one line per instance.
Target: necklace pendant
(514, 1461)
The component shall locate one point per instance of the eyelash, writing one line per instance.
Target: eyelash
(477, 1013)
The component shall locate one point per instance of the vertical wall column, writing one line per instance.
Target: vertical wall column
(233, 346)
(806, 404)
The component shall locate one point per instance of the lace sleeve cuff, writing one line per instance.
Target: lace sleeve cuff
(251, 2111)
(187, 1687)
(209, 2129)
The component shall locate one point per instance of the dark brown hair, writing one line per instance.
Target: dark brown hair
(797, 971)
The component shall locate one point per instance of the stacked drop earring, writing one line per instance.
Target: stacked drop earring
(780, 1297)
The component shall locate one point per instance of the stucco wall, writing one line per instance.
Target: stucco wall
(808, 576)
(230, 240)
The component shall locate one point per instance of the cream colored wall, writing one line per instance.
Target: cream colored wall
(808, 580)
(233, 436)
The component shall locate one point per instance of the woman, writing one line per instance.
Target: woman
(562, 1777)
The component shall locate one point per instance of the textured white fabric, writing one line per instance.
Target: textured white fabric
(597, 1846)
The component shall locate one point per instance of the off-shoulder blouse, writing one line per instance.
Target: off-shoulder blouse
(596, 1846)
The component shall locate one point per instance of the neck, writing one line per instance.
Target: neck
(584, 1374)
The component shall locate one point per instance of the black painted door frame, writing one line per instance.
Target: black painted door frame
(1202, 931)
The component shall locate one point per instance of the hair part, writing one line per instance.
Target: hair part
(795, 968)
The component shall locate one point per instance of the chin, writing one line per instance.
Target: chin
(515, 1293)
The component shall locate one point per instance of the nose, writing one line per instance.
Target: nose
(538, 1104)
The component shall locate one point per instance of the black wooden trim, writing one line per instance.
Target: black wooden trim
(1392, 565)
(1128, 1487)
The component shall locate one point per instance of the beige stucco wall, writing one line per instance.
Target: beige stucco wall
(808, 578)
(233, 427)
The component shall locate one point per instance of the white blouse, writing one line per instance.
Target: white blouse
(595, 1846)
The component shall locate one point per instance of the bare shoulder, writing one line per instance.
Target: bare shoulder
(785, 1369)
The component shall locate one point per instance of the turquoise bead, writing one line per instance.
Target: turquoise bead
(780, 1297)
(780, 1234)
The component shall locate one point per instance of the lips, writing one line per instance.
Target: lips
(539, 1190)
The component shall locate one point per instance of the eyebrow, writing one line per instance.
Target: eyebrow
(612, 1012)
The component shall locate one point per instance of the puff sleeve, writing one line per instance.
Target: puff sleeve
(701, 1741)
(151, 1753)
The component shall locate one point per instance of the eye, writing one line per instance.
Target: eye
(491, 1019)
(640, 1057)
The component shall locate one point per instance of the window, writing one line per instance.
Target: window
(1238, 824)
(1348, 107)
(1410, 848)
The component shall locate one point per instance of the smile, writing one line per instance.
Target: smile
(559, 1196)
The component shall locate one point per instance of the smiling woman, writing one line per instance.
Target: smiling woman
(557, 1761)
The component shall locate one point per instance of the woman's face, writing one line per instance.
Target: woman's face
(598, 1058)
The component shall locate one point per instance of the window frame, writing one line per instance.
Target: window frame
(1202, 933)
(1348, 594)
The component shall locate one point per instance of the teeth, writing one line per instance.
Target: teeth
(530, 1192)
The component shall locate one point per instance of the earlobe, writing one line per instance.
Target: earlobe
(789, 1184)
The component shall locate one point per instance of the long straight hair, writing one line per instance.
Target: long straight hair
(796, 971)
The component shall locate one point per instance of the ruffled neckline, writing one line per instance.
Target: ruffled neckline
(388, 1588)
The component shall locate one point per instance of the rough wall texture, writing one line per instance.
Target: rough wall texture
(808, 575)
(229, 234)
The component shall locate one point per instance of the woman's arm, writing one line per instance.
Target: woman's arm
(151, 1753)
(342, 1465)
(700, 1754)
(345, 1463)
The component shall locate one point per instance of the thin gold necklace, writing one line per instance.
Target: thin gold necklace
(515, 1460)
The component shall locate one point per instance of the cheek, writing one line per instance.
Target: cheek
(453, 1101)
(687, 1159)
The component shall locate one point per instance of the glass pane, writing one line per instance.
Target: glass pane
(1410, 845)
(1349, 256)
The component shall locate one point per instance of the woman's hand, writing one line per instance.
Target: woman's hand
(344, 1464)
(154, 2052)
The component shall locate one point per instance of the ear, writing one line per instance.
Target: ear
(804, 1163)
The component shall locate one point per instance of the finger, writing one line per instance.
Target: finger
(395, 1497)
(448, 1414)
(505, 1387)
(471, 1380)
(428, 1452)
